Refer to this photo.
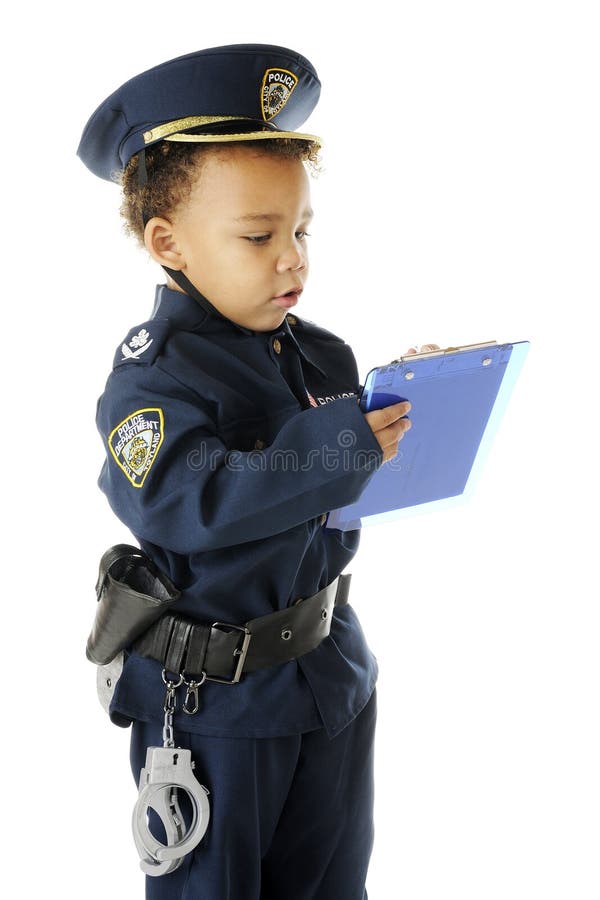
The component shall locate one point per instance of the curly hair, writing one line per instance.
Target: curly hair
(173, 168)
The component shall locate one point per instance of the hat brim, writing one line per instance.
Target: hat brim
(219, 129)
(243, 136)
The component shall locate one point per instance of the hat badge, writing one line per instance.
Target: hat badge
(276, 90)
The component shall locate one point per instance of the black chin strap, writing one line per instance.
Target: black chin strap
(178, 277)
(186, 285)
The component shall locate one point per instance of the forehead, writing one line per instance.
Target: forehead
(244, 178)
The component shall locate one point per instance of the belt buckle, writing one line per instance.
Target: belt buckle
(241, 653)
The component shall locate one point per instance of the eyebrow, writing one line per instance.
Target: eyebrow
(269, 217)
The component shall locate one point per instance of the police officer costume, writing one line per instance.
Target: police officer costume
(194, 416)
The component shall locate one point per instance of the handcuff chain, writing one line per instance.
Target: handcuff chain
(169, 707)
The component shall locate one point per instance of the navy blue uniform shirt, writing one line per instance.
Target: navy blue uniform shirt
(225, 448)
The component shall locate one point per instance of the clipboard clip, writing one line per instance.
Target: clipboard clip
(431, 353)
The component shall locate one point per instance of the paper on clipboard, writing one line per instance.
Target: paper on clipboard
(458, 397)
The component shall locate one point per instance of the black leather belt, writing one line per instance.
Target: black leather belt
(223, 652)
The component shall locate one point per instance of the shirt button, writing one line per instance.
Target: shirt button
(277, 346)
(258, 444)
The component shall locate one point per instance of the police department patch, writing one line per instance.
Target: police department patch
(276, 90)
(135, 442)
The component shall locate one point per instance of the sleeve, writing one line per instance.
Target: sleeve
(172, 481)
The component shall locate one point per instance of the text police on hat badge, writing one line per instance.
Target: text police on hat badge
(276, 90)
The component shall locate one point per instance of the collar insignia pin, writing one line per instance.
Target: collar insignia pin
(139, 342)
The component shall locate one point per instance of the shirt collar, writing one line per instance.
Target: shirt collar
(184, 311)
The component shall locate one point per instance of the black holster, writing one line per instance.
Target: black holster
(132, 594)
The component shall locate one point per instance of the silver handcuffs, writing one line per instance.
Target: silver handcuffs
(168, 770)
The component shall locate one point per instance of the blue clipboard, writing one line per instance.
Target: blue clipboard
(458, 396)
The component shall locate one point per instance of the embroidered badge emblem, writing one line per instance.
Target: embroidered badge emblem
(135, 442)
(276, 90)
(139, 342)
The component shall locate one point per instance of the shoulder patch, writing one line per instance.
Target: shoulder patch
(143, 343)
(135, 443)
(311, 328)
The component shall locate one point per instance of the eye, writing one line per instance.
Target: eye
(258, 238)
(302, 234)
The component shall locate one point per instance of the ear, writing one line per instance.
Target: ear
(161, 243)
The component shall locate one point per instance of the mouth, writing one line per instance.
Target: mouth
(289, 299)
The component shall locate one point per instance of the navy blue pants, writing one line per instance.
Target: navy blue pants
(291, 818)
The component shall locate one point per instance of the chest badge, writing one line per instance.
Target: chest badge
(135, 442)
(276, 90)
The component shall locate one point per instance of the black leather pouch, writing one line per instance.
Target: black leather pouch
(132, 593)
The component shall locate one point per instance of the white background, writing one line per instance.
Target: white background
(460, 203)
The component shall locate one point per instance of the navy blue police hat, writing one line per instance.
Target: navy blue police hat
(231, 93)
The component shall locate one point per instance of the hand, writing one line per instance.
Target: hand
(422, 349)
(389, 426)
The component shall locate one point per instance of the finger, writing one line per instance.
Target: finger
(390, 414)
(391, 450)
(390, 436)
(421, 348)
(380, 418)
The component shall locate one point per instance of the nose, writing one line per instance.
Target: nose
(293, 257)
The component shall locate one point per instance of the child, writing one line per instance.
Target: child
(231, 427)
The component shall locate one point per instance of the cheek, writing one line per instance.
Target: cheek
(217, 259)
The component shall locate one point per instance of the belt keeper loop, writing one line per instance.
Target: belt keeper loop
(161, 636)
(176, 650)
(197, 648)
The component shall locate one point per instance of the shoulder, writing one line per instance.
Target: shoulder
(136, 382)
(310, 329)
(143, 344)
(144, 381)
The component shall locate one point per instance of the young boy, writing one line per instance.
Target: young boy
(231, 427)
